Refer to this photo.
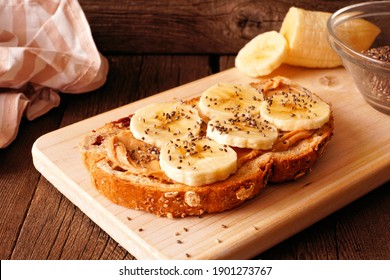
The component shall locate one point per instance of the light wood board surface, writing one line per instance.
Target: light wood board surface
(357, 161)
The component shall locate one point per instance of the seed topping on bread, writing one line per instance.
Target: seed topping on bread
(210, 153)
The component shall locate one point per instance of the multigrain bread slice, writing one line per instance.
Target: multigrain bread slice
(149, 189)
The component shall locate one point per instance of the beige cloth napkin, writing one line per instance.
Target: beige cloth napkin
(46, 47)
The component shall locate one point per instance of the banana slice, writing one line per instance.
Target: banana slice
(306, 34)
(159, 123)
(295, 110)
(262, 55)
(227, 99)
(243, 131)
(197, 162)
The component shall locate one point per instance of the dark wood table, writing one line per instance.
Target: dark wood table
(153, 46)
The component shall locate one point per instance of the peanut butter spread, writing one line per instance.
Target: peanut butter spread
(134, 156)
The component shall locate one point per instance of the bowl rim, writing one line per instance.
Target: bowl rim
(349, 50)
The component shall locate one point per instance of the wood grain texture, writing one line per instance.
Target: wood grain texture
(38, 222)
(132, 78)
(18, 179)
(55, 229)
(180, 26)
(358, 231)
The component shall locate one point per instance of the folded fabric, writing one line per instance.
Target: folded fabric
(46, 47)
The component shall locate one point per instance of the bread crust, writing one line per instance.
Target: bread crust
(172, 199)
(179, 200)
(295, 163)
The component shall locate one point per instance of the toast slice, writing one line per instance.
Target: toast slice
(147, 188)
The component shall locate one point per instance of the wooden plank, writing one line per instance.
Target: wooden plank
(19, 178)
(179, 26)
(357, 231)
(345, 173)
(132, 78)
(363, 225)
(56, 229)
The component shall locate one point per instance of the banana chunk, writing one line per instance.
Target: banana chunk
(243, 131)
(302, 41)
(227, 99)
(305, 32)
(262, 55)
(160, 123)
(197, 162)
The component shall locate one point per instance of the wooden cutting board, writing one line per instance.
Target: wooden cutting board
(356, 162)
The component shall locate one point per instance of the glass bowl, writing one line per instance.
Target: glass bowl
(351, 31)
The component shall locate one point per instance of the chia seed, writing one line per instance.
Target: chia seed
(380, 53)
(380, 84)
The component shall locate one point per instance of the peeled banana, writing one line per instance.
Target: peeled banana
(302, 41)
(305, 32)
